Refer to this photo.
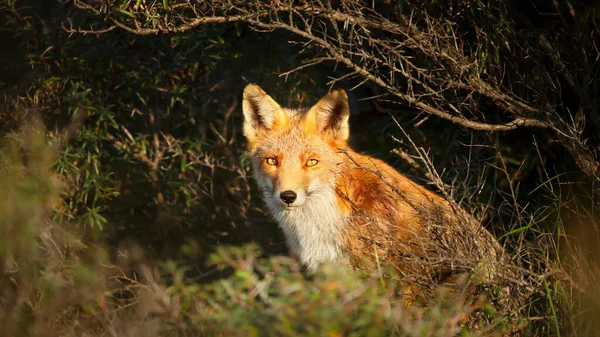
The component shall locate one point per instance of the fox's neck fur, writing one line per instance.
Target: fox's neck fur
(313, 231)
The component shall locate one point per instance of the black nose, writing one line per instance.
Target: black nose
(288, 196)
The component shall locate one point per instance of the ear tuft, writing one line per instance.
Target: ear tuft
(261, 112)
(330, 115)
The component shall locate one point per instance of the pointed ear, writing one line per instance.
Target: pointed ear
(330, 116)
(261, 112)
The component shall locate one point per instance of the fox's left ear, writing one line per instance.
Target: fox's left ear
(330, 115)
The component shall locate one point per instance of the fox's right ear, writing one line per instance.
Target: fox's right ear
(261, 112)
(330, 116)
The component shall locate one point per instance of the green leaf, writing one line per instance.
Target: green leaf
(122, 11)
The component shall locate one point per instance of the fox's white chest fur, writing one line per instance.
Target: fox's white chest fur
(313, 230)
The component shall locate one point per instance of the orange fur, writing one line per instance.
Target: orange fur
(350, 208)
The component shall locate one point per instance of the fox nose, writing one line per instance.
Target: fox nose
(288, 196)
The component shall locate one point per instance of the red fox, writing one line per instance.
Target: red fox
(337, 206)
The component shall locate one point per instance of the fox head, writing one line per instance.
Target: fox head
(294, 153)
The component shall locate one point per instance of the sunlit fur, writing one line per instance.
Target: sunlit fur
(351, 209)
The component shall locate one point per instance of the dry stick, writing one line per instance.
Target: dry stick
(511, 183)
(86, 31)
(433, 174)
(411, 162)
(186, 26)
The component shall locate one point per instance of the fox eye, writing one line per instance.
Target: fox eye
(271, 161)
(311, 162)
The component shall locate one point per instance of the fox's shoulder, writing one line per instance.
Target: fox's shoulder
(371, 185)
